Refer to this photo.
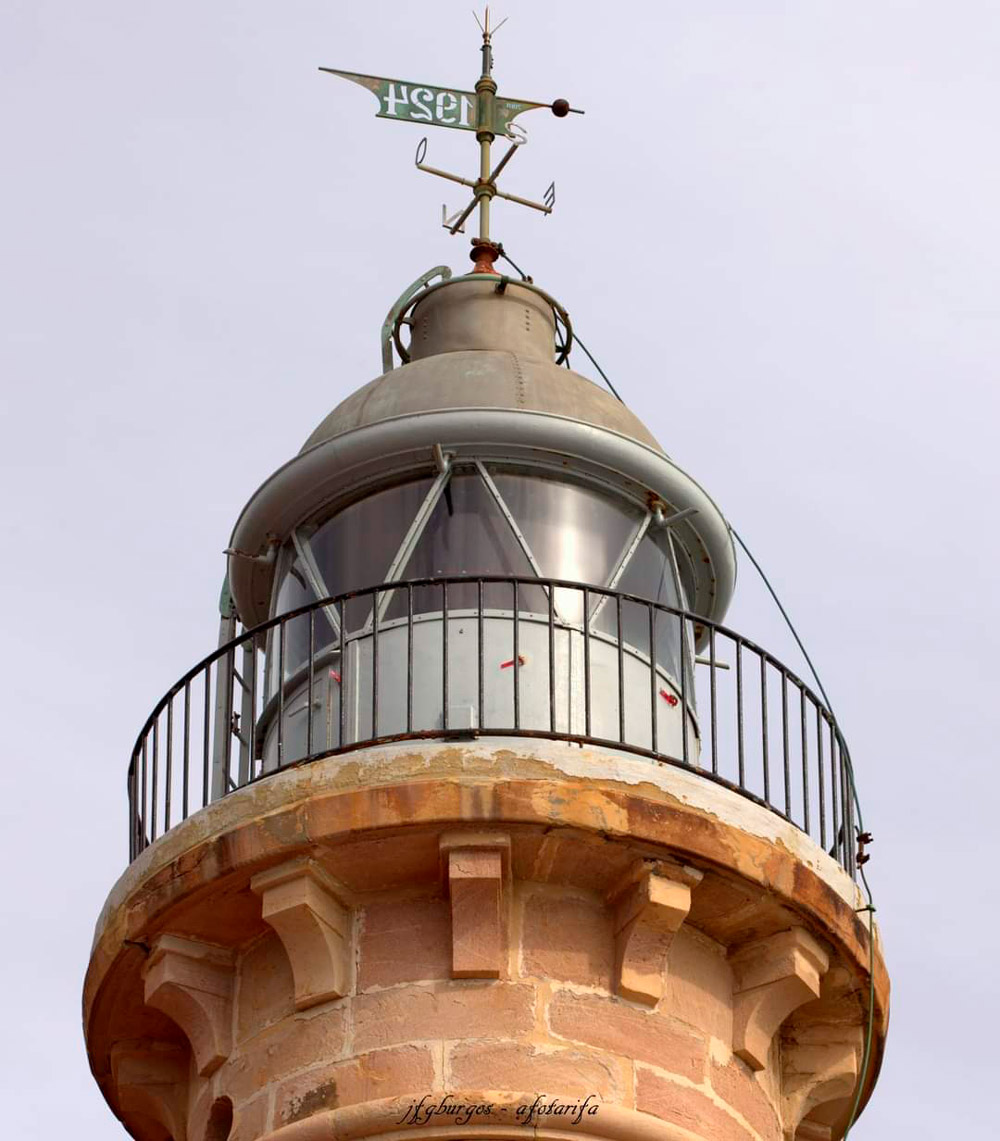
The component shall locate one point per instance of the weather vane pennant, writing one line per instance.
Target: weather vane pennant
(438, 106)
(483, 111)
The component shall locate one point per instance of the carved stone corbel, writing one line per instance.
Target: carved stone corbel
(298, 900)
(815, 1075)
(476, 868)
(648, 907)
(192, 983)
(821, 1051)
(151, 1080)
(772, 977)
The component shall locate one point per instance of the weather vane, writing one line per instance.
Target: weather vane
(483, 111)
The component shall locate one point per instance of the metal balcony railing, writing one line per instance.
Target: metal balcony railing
(494, 656)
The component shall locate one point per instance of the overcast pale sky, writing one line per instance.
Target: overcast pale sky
(777, 229)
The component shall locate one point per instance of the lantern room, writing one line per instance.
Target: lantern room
(543, 540)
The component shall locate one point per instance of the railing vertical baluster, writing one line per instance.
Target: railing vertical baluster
(133, 828)
(169, 766)
(819, 778)
(281, 692)
(685, 747)
(227, 720)
(375, 641)
(482, 653)
(713, 700)
(409, 659)
(310, 693)
(805, 761)
(187, 749)
(517, 660)
(155, 782)
(854, 831)
(552, 661)
(251, 729)
(846, 810)
(140, 811)
(206, 759)
(140, 828)
(621, 670)
(786, 763)
(572, 716)
(144, 815)
(653, 737)
(740, 748)
(245, 720)
(849, 779)
(837, 834)
(444, 653)
(586, 663)
(763, 730)
(344, 678)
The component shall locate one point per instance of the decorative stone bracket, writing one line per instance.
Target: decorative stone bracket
(192, 983)
(152, 1080)
(771, 978)
(477, 870)
(298, 900)
(815, 1075)
(649, 906)
(821, 1051)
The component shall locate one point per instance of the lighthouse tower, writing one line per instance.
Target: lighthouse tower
(479, 820)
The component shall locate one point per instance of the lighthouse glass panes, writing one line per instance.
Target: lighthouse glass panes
(476, 518)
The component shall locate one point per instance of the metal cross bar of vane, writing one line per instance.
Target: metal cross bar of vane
(421, 165)
(545, 209)
(460, 222)
(490, 183)
(502, 163)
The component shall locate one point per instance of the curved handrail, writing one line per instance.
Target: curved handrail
(806, 784)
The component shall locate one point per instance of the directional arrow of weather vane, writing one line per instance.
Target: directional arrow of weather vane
(482, 111)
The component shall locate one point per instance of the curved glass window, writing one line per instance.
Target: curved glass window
(647, 574)
(685, 572)
(467, 533)
(297, 590)
(575, 532)
(479, 520)
(357, 546)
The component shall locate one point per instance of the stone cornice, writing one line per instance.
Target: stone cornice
(308, 812)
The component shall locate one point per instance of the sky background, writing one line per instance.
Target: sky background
(776, 228)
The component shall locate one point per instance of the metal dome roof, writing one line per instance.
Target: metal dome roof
(481, 379)
(457, 363)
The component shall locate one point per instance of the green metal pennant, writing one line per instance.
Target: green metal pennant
(506, 110)
(434, 106)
